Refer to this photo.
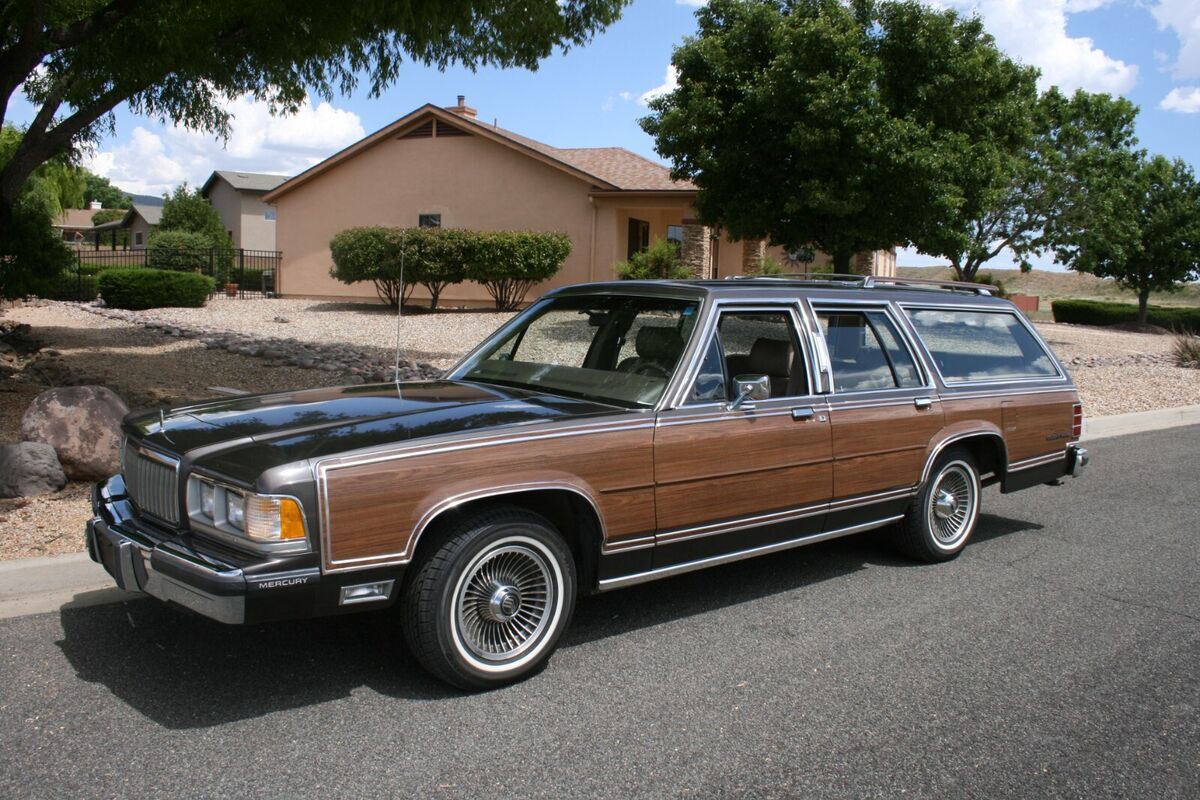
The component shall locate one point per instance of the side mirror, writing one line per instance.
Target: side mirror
(749, 389)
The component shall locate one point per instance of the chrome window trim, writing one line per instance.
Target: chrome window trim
(676, 397)
(1011, 310)
(888, 308)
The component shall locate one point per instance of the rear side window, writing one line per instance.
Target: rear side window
(981, 345)
(866, 352)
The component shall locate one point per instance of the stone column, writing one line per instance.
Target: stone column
(696, 252)
(753, 252)
(863, 263)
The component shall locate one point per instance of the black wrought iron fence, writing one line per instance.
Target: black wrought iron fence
(236, 272)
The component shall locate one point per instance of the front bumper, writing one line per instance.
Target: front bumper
(140, 560)
(166, 565)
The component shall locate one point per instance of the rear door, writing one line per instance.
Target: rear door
(729, 479)
(883, 408)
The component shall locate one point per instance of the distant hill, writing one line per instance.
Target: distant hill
(146, 199)
(1057, 285)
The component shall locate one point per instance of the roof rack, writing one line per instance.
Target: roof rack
(868, 281)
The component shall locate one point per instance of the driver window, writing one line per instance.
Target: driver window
(751, 343)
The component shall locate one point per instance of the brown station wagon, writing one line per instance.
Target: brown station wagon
(610, 434)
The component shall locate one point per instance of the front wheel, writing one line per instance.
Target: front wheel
(489, 605)
(942, 516)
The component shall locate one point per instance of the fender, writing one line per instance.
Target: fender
(957, 433)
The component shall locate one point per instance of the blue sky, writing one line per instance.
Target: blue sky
(1146, 50)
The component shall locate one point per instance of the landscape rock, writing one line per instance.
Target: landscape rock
(29, 468)
(82, 424)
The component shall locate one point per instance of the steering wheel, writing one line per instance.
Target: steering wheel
(651, 370)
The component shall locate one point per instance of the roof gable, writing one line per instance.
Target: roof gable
(605, 168)
(254, 182)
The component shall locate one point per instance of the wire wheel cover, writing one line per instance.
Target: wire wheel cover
(503, 605)
(952, 505)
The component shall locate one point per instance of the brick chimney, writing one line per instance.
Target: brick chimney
(462, 107)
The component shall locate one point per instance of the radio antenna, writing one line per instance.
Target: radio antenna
(400, 307)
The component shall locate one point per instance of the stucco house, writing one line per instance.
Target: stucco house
(141, 220)
(238, 199)
(443, 166)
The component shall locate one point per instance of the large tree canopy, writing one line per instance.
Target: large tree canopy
(1141, 227)
(177, 60)
(1078, 141)
(851, 126)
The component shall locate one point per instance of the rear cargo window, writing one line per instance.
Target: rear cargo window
(981, 345)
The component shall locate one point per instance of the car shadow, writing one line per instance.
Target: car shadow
(184, 671)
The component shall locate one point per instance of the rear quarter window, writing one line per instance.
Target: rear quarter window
(981, 345)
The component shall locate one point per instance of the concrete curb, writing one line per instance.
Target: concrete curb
(50, 583)
(1139, 422)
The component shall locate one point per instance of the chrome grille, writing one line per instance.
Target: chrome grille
(152, 481)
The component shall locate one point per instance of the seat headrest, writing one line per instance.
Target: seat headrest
(770, 357)
(659, 343)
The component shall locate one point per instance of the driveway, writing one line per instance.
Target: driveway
(1057, 657)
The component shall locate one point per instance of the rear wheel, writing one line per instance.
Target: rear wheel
(942, 517)
(489, 605)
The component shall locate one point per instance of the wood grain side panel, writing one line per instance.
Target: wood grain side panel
(698, 502)
(1037, 424)
(740, 466)
(876, 449)
(373, 509)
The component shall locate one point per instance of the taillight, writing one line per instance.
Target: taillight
(1077, 421)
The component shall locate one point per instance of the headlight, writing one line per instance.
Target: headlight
(235, 510)
(208, 500)
(261, 518)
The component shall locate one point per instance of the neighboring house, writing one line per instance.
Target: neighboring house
(141, 220)
(237, 196)
(75, 225)
(442, 166)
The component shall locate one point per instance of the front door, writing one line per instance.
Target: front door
(730, 479)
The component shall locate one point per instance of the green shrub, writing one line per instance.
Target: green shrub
(769, 265)
(153, 288)
(988, 279)
(509, 263)
(435, 258)
(188, 251)
(657, 262)
(74, 285)
(371, 254)
(1097, 312)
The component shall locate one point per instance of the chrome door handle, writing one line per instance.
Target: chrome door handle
(802, 414)
(922, 402)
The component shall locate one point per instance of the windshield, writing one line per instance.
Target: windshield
(615, 349)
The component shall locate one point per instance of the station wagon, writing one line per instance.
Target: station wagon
(610, 434)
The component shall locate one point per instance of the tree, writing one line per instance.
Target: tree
(188, 211)
(1141, 228)
(178, 60)
(1075, 141)
(849, 126)
(659, 261)
(100, 189)
(32, 253)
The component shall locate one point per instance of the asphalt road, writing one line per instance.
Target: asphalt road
(1058, 656)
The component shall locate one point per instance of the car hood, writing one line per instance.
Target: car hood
(243, 436)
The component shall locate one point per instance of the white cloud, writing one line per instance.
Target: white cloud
(1183, 17)
(155, 162)
(1185, 99)
(1035, 33)
(626, 96)
(691, 2)
(669, 84)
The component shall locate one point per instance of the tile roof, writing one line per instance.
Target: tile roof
(615, 165)
(75, 218)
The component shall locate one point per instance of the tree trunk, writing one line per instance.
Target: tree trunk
(841, 262)
(1143, 305)
(958, 270)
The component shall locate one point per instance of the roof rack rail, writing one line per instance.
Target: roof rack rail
(869, 281)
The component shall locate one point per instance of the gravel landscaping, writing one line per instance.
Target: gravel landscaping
(172, 356)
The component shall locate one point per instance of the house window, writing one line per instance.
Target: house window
(230, 235)
(429, 220)
(137, 238)
(269, 215)
(675, 234)
(639, 236)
